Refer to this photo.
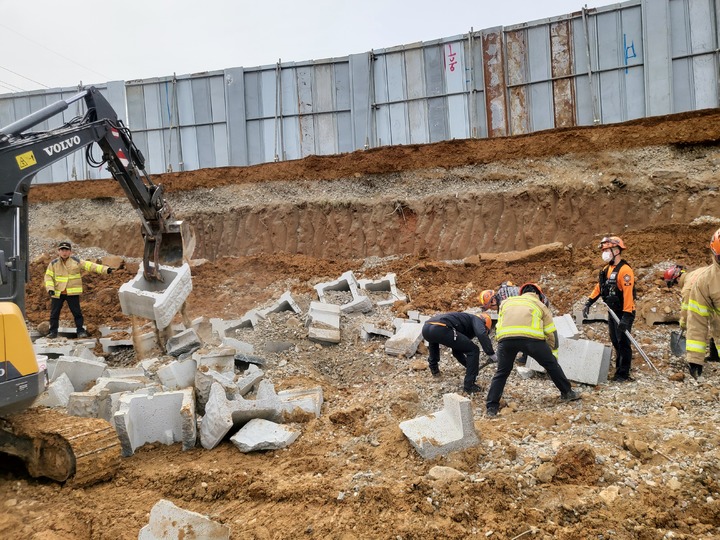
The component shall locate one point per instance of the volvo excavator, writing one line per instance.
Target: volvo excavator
(78, 451)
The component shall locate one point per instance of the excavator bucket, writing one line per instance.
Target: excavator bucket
(178, 244)
(171, 248)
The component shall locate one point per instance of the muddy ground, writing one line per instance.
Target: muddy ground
(633, 460)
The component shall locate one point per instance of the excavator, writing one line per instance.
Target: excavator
(77, 451)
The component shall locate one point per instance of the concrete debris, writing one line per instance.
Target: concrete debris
(260, 434)
(168, 521)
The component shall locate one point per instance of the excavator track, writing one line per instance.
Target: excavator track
(70, 449)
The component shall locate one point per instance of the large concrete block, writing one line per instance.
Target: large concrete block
(582, 361)
(170, 522)
(405, 342)
(259, 434)
(164, 417)
(385, 284)
(445, 431)
(157, 300)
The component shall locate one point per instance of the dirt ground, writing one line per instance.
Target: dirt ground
(628, 461)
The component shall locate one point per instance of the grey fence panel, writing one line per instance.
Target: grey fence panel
(324, 103)
(381, 95)
(236, 116)
(343, 99)
(360, 98)
(415, 89)
(396, 98)
(604, 65)
(434, 80)
(305, 109)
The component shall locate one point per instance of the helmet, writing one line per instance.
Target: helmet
(531, 287)
(715, 243)
(535, 288)
(672, 274)
(611, 241)
(488, 320)
(486, 298)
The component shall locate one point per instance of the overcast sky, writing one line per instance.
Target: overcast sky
(50, 44)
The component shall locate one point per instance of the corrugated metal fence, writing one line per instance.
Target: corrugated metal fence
(629, 60)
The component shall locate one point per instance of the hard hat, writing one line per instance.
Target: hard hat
(486, 298)
(672, 274)
(611, 241)
(531, 287)
(715, 243)
(488, 320)
(65, 244)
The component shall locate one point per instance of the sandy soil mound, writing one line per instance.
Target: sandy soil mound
(628, 461)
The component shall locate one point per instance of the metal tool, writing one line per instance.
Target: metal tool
(677, 342)
(634, 342)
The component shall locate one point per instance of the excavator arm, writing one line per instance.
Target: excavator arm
(23, 154)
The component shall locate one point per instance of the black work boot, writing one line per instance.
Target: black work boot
(572, 395)
(474, 389)
(52, 335)
(82, 333)
(434, 371)
(695, 370)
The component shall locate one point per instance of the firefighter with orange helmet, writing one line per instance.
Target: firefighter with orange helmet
(456, 330)
(525, 324)
(702, 306)
(616, 285)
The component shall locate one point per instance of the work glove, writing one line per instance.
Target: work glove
(586, 309)
(624, 324)
(52, 294)
(493, 358)
(110, 270)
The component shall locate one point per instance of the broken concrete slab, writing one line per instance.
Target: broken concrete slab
(164, 417)
(241, 347)
(56, 394)
(323, 321)
(384, 284)
(405, 342)
(598, 312)
(259, 434)
(157, 300)
(369, 329)
(82, 373)
(98, 402)
(346, 282)
(168, 521)
(220, 359)
(178, 374)
(445, 431)
(566, 327)
(582, 360)
(185, 342)
(284, 303)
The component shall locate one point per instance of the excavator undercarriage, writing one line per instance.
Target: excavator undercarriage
(70, 449)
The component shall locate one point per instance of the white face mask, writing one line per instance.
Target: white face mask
(607, 256)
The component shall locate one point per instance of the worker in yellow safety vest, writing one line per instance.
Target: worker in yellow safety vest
(63, 283)
(526, 324)
(703, 306)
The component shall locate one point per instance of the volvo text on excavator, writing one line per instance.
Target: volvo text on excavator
(53, 445)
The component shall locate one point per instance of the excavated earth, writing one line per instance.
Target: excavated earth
(637, 460)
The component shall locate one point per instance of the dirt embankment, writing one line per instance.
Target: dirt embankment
(626, 462)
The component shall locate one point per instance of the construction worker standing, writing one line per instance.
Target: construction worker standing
(456, 330)
(63, 283)
(703, 304)
(616, 285)
(525, 324)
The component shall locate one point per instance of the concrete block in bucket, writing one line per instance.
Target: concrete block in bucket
(157, 300)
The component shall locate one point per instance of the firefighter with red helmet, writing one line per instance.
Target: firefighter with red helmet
(616, 285)
(525, 324)
(456, 330)
(702, 307)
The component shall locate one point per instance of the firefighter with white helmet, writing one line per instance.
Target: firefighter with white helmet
(702, 306)
(616, 285)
